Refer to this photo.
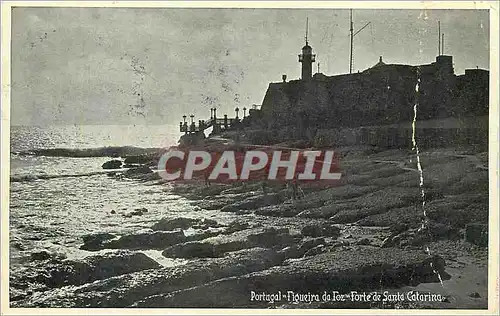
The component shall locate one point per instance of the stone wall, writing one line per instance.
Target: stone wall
(428, 134)
(377, 96)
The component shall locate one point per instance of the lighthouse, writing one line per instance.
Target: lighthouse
(307, 58)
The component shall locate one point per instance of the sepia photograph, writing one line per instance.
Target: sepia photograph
(229, 156)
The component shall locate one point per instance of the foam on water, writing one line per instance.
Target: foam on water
(56, 199)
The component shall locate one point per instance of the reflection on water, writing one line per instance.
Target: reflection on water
(54, 213)
(91, 136)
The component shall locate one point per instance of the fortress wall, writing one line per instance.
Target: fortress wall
(376, 97)
(373, 98)
(382, 100)
(472, 93)
(296, 103)
(351, 100)
(276, 100)
(401, 137)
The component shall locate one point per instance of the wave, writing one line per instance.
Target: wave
(31, 178)
(110, 151)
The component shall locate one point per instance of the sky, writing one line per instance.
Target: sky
(153, 65)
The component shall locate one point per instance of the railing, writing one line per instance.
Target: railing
(217, 123)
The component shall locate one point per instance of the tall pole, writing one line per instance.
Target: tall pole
(307, 28)
(439, 39)
(442, 45)
(351, 30)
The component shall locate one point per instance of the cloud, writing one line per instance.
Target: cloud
(109, 65)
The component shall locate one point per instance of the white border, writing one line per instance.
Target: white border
(493, 276)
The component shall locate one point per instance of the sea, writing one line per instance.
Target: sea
(55, 200)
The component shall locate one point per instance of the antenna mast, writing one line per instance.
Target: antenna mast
(439, 40)
(352, 34)
(442, 45)
(307, 28)
(352, 38)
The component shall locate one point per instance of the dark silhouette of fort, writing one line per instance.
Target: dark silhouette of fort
(376, 107)
(382, 94)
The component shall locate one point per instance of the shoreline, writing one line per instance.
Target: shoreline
(374, 214)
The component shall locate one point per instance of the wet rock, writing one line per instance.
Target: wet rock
(417, 240)
(406, 179)
(325, 211)
(199, 192)
(344, 271)
(16, 294)
(315, 250)
(219, 245)
(431, 231)
(343, 192)
(136, 212)
(290, 209)
(128, 165)
(124, 290)
(94, 241)
(445, 174)
(377, 203)
(290, 252)
(457, 212)
(363, 242)
(169, 224)
(152, 176)
(318, 230)
(40, 255)
(18, 245)
(311, 243)
(213, 204)
(155, 240)
(391, 241)
(271, 237)
(89, 269)
(439, 230)
(204, 235)
(236, 226)
(471, 182)
(477, 234)
(112, 164)
(191, 250)
(282, 210)
(140, 159)
(340, 244)
(398, 228)
(137, 171)
(255, 202)
(397, 218)
(297, 251)
(206, 223)
(240, 189)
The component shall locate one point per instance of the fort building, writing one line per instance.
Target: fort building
(385, 97)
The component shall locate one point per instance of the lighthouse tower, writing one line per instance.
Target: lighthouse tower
(307, 58)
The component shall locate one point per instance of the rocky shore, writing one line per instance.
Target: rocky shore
(370, 233)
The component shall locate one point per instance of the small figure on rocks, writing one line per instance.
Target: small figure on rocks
(297, 192)
(264, 187)
(206, 175)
